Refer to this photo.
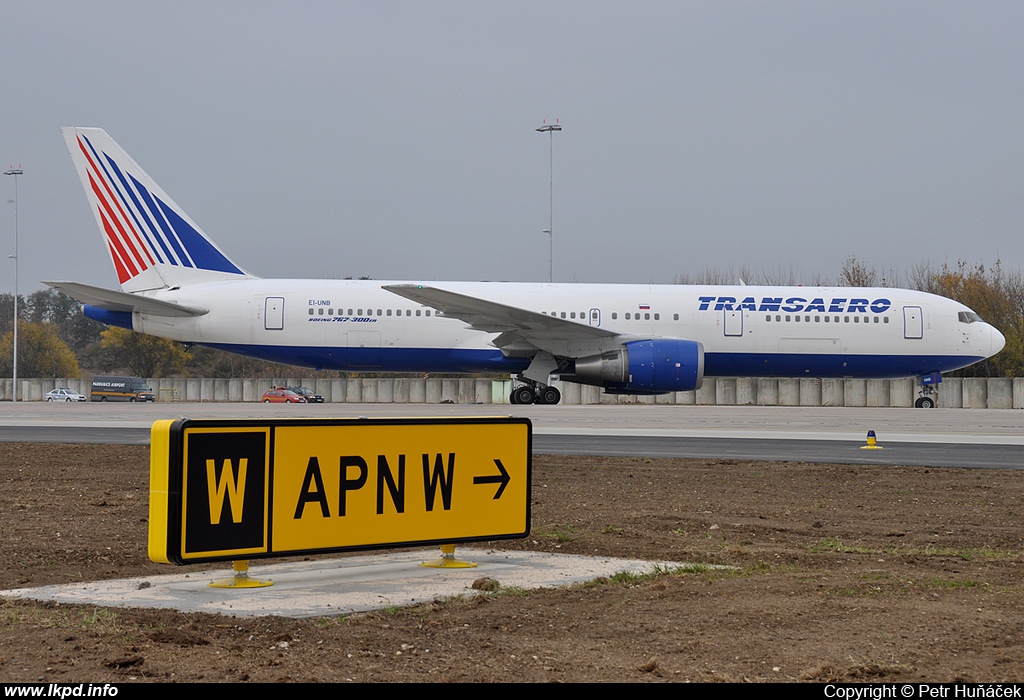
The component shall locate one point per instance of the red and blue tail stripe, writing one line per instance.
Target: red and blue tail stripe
(144, 228)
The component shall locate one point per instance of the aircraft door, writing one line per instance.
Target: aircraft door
(595, 317)
(273, 314)
(733, 322)
(363, 348)
(913, 323)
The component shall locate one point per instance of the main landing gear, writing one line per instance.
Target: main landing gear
(533, 392)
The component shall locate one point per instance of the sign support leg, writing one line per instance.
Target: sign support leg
(241, 578)
(448, 560)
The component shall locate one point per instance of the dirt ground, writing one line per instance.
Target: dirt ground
(849, 573)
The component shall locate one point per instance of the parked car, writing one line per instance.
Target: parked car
(308, 394)
(64, 394)
(281, 395)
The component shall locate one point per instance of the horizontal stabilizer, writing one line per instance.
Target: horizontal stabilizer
(111, 300)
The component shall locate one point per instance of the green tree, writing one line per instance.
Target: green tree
(41, 353)
(145, 355)
(998, 297)
(7, 312)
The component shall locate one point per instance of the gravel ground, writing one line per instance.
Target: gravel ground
(842, 572)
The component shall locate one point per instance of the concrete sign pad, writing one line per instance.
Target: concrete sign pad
(341, 586)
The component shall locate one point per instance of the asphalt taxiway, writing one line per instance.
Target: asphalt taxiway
(988, 438)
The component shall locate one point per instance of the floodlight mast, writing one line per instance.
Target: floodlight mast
(15, 172)
(550, 129)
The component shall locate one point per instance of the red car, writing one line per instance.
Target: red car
(282, 395)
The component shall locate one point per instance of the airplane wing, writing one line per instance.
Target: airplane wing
(515, 325)
(111, 300)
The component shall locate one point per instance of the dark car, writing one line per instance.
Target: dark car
(308, 394)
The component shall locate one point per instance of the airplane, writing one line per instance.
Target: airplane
(176, 283)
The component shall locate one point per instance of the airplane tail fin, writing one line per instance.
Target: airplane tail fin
(152, 243)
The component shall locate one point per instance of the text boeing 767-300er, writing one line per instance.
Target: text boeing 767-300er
(636, 339)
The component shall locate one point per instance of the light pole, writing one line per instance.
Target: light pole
(550, 129)
(15, 172)
(550, 239)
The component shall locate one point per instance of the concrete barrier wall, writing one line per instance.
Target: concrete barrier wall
(716, 391)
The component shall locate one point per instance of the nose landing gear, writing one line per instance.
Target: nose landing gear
(929, 390)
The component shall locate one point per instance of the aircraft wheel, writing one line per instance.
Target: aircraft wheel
(550, 395)
(522, 395)
(925, 402)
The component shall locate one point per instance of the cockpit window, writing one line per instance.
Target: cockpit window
(968, 317)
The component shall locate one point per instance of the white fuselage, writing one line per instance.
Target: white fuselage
(745, 330)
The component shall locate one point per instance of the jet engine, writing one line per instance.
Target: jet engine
(644, 366)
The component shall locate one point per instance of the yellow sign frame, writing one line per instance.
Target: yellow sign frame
(248, 489)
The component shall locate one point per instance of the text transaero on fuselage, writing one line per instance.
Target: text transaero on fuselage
(639, 339)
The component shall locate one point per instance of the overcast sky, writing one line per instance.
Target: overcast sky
(397, 139)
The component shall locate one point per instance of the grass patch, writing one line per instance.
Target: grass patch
(834, 544)
(942, 583)
(556, 533)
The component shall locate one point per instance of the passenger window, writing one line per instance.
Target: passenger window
(311, 311)
(320, 311)
(615, 315)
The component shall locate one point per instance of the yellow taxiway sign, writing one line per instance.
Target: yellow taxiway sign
(248, 489)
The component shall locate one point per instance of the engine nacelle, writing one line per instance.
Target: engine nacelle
(644, 367)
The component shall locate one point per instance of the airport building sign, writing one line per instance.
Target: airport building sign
(247, 489)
